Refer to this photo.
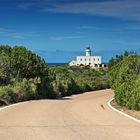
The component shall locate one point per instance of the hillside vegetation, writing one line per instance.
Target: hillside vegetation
(124, 73)
(25, 76)
(66, 80)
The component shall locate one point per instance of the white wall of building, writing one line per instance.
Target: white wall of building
(73, 63)
(88, 60)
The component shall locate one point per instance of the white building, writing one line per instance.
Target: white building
(87, 60)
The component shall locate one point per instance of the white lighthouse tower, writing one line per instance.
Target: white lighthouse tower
(88, 51)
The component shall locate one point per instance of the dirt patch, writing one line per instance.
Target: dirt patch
(133, 113)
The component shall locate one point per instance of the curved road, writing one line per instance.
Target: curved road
(80, 117)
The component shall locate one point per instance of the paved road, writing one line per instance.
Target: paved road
(81, 117)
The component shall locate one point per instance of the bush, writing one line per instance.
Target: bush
(66, 80)
(124, 79)
(8, 94)
(20, 92)
(22, 74)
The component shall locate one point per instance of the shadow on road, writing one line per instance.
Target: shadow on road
(62, 98)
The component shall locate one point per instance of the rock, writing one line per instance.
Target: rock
(2, 102)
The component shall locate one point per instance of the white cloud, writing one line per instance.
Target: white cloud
(59, 38)
(25, 5)
(86, 27)
(13, 34)
(133, 27)
(125, 9)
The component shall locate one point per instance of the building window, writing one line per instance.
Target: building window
(94, 59)
(85, 59)
(98, 59)
(89, 59)
(81, 59)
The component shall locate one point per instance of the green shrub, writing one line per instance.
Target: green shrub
(124, 75)
(8, 94)
(66, 80)
(20, 92)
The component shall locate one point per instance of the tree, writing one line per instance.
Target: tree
(16, 64)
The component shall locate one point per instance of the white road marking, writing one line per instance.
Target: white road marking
(126, 115)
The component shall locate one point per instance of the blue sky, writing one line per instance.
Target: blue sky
(59, 30)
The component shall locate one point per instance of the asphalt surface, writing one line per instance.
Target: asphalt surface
(81, 117)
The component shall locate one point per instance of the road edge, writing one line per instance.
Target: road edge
(8, 106)
(126, 115)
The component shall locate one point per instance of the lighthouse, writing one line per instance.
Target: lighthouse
(88, 51)
(88, 60)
